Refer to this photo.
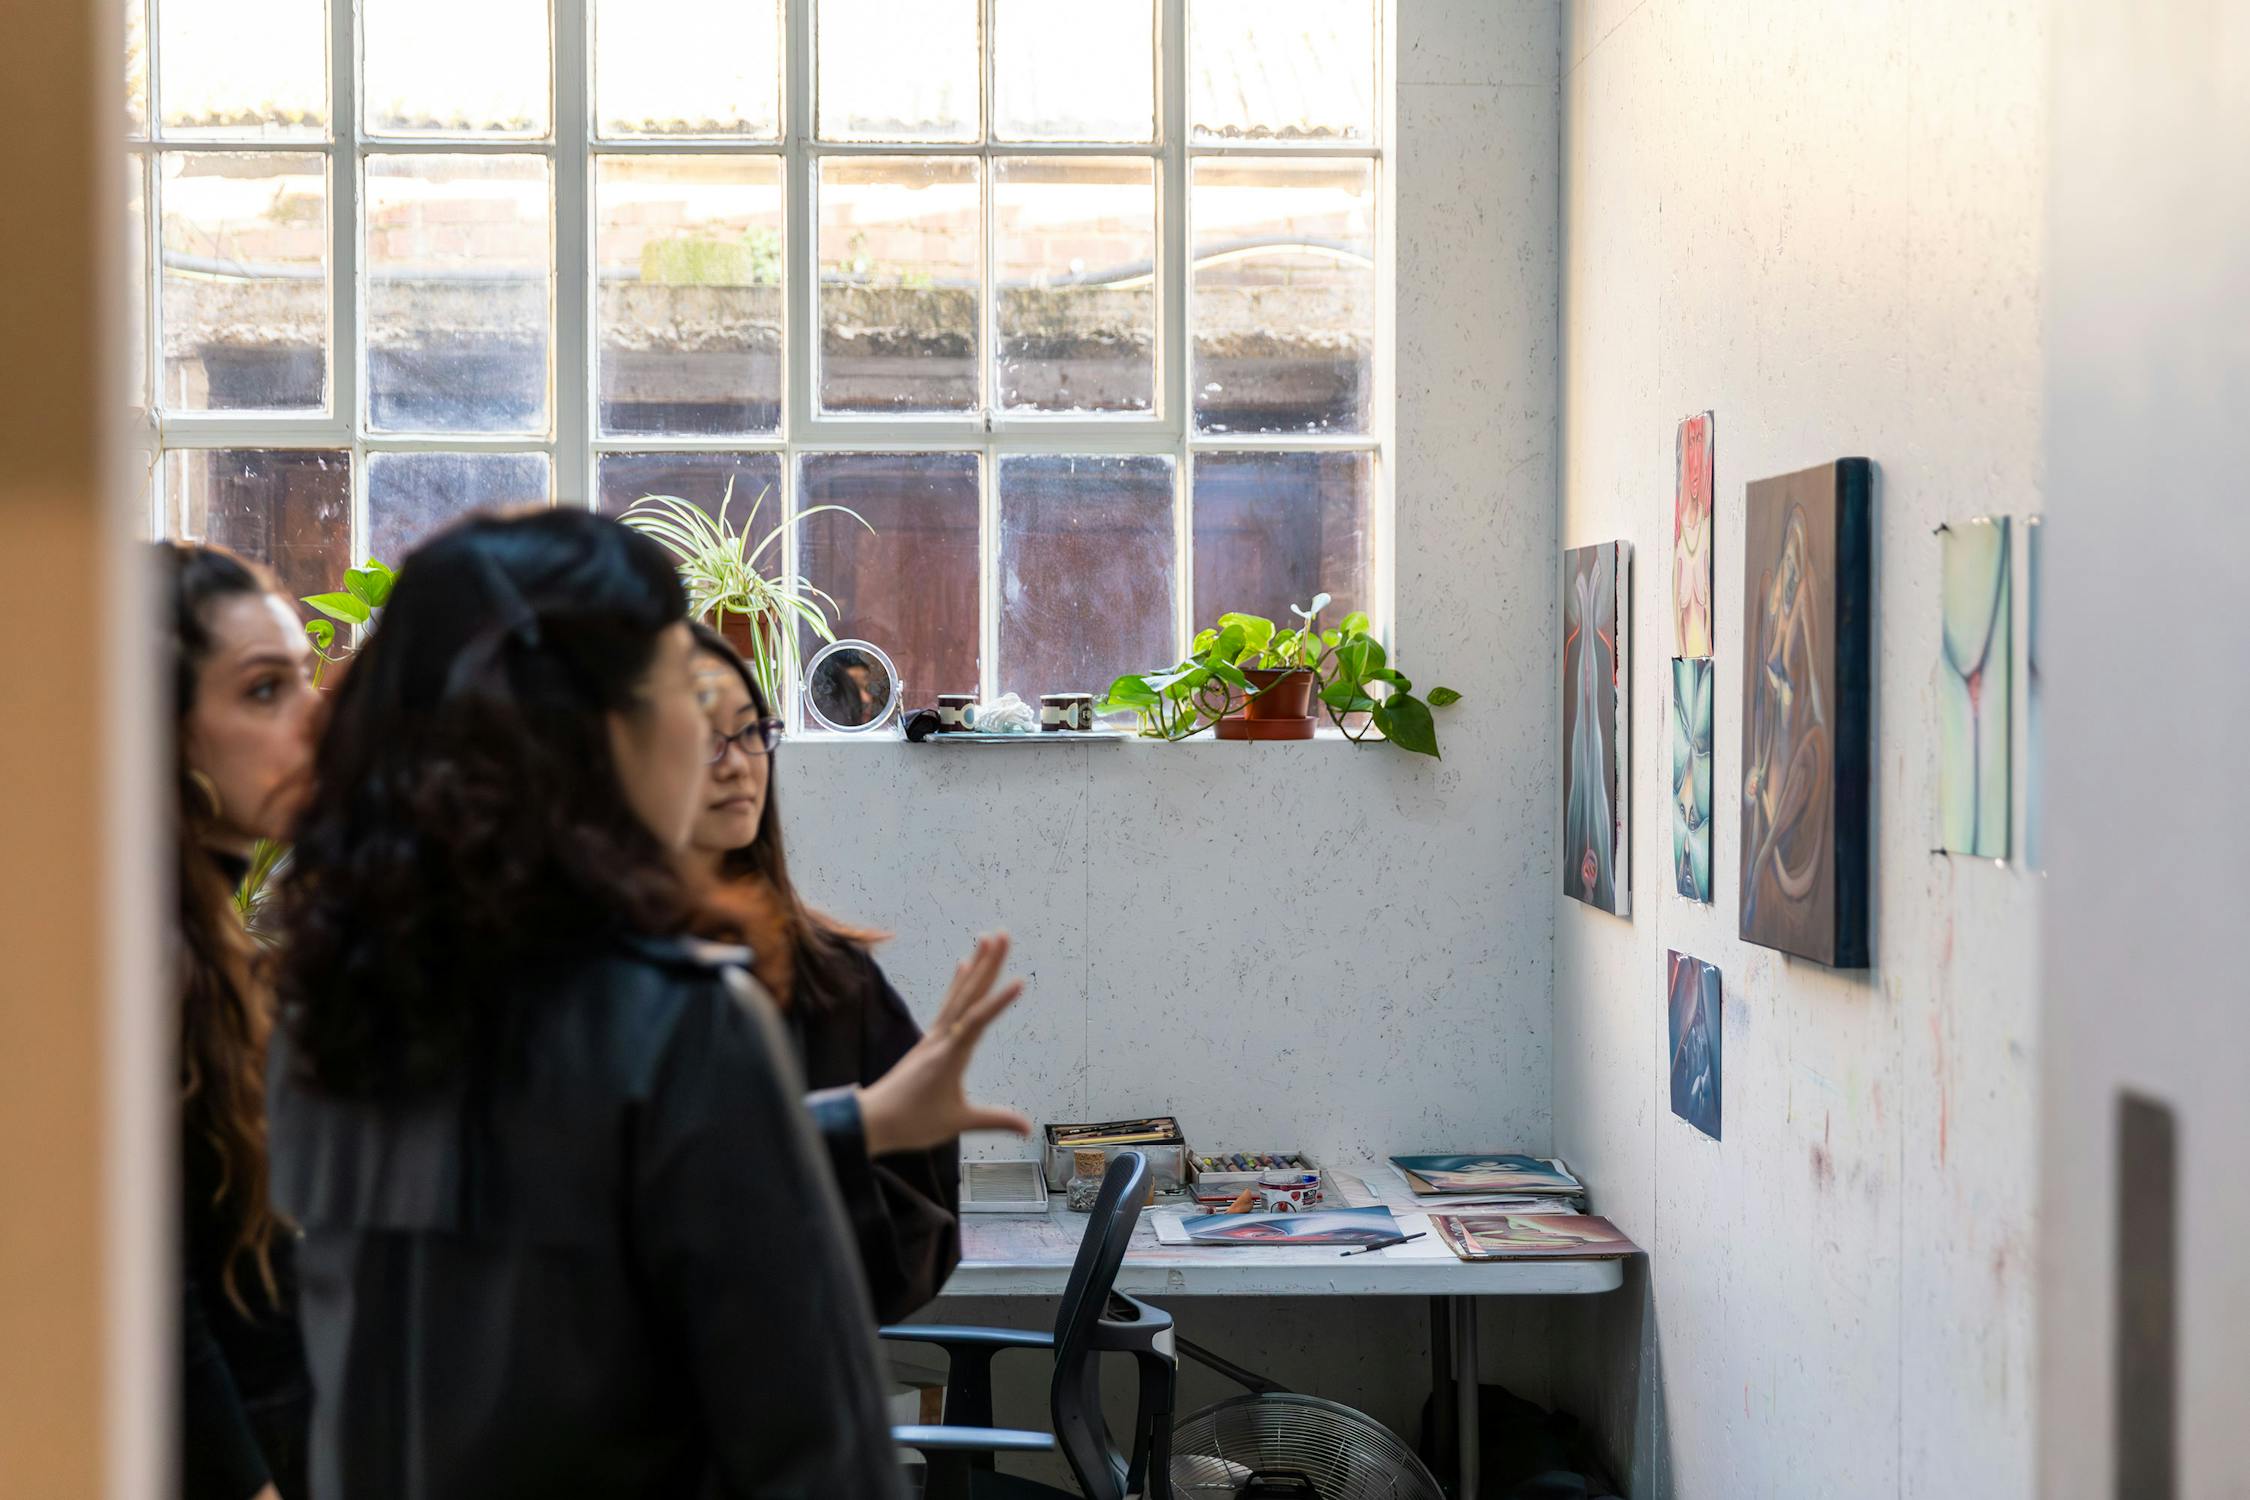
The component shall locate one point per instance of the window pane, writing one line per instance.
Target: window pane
(457, 293)
(245, 295)
(690, 255)
(412, 496)
(243, 69)
(1042, 86)
(1274, 529)
(701, 479)
(291, 511)
(1290, 70)
(726, 83)
(136, 282)
(910, 587)
(1087, 567)
(136, 69)
(893, 72)
(1283, 305)
(439, 67)
(1074, 256)
(899, 274)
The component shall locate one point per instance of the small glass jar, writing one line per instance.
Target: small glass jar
(1087, 1169)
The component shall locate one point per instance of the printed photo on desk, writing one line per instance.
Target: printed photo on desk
(1320, 1226)
(1491, 1172)
(1531, 1236)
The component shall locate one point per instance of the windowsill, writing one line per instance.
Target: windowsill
(825, 739)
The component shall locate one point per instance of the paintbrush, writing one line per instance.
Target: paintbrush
(1386, 1244)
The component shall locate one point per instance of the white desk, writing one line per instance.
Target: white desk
(1029, 1255)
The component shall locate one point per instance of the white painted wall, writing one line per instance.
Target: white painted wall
(2148, 365)
(1820, 219)
(1299, 944)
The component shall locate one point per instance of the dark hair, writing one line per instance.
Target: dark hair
(225, 1008)
(467, 818)
(765, 857)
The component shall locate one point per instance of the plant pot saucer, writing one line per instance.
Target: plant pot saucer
(1264, 729)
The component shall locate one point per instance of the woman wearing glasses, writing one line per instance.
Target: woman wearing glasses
(850, 1028)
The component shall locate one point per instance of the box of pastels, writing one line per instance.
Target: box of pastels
(1219, 1177)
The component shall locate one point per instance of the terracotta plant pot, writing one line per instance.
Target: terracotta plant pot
(1282, 693)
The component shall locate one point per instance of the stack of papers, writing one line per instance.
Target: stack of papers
(1492, 1177)
(1489, 1236)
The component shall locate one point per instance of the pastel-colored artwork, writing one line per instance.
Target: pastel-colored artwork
(1974, 685)
(1692, 996)
(1806, 702)
(2034, 704)
(1596, 725)
(1691, 537)
(1531, 1236)
(1691, 778)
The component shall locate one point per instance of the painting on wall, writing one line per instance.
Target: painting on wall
(1693, 1000)
(2034, 704)
(1975, 660)
(1691, 778)
(1596, 725)
(1807, 594)
(1691, 537)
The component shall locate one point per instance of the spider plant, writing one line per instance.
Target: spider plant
(720, 566)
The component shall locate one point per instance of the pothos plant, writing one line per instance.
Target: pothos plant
(366, 590)
(720, 567)
(1364, 695)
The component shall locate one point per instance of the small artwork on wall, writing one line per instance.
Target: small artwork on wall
(1596, 725)
(2034, 703)
(1691, 778)
(1693, 1000)
(1974, 663)
(1807, 594)
(1692, 634)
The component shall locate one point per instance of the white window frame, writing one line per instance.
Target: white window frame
(572, 444)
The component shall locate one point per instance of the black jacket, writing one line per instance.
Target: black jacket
(850, 1027)
(613, 1266)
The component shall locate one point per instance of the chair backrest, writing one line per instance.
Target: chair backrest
(1075, 1398)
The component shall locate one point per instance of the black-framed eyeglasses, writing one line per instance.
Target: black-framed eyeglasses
(760, 737)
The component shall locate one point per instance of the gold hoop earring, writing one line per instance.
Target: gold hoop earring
(209, 791)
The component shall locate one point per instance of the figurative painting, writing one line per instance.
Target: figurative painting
(1807, 597)
(1693, 1000)
(1531, 1236)
(1596, 725)
(2034, 704)
(1691, 778)
(1318, 1226)
(1974, 685)
(1691, 537)
(1488, 1172)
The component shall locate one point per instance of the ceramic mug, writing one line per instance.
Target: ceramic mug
(1059, 712)
(1286, 1192)
(956, 712)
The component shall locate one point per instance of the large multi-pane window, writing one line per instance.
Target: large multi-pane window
(1074, 302)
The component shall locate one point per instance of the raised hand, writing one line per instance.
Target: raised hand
(923, 1100)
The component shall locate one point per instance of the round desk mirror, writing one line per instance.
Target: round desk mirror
(850, 687)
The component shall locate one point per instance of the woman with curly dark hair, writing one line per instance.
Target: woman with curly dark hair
(242, 710)
(568, 1228)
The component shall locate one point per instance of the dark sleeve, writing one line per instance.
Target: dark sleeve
(907, 1219)
(744, 1246)
(219, 1457)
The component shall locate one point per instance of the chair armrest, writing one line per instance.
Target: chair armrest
(956, 1336)
(972, 1440)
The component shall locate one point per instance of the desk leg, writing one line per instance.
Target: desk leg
(1468, 1390)
(1444, 1443)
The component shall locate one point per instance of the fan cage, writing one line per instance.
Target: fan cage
(1347, 1454)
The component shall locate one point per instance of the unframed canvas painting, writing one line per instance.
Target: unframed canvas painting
(1808, 584)
(1693, 999)
(1974, 683)
(1691, 537)
(1691, 778)
(1596, 725)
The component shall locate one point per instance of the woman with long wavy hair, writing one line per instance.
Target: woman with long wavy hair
(242, 709)
(568, 1227)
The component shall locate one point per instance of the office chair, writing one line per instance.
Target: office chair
(1092, 1320)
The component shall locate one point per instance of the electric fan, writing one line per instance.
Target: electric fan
(1278, 1444)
